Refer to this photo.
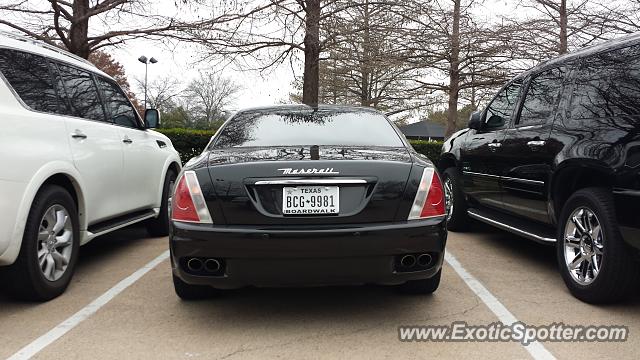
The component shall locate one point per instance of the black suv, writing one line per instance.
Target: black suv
(555, 157)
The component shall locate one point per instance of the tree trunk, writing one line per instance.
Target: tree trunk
(454, 72)
(311, 81)
(563, 27)
(334, 85)
(79, 30)
(365, 86)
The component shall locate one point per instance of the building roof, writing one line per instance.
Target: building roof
(424, 129)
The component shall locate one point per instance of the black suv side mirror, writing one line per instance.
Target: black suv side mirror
(475, 120)
(152, 119)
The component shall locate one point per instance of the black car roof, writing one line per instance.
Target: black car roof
(307, 108)
(625, 41)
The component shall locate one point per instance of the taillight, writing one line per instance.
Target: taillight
(429, 201)
(188, 203)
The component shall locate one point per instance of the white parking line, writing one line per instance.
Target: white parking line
(64, 327)
(535, 349)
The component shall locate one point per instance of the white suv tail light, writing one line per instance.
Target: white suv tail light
(429, 201)
(188, 203)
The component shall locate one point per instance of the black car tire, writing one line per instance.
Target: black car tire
(618, 273)
(422, 286)
(459, 220)
(24, 279)
(191, 292)
(159, 226)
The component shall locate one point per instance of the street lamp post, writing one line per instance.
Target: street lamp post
(143, 59)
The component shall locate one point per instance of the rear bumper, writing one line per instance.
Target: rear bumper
(312, 255)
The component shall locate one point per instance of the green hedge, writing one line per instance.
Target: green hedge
(190, 143)
(430, 149)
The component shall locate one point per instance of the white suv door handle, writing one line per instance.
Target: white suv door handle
(127, 140)
(78, 135)
(536, 143)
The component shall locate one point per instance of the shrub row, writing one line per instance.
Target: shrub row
(190, 143)
(430, 149)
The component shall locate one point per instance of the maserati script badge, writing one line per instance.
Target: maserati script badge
(290, 171)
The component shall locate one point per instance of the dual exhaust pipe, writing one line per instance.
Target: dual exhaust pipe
(404, 263)
(414, 262)
(198, 265)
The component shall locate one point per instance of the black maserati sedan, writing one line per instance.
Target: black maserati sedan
(307, 196)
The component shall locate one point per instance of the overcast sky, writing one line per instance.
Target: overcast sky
(257, 89)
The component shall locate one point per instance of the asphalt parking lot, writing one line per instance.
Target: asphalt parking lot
(147, 320)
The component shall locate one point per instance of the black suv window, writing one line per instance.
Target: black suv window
(542, 96)
(82, 93)
(117, 104)
(500, 111)
(608, 84)
(301, 127)
(29, 76)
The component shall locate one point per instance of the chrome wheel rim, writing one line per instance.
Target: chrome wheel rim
(55, 240)
(448, 195)
(583, 246)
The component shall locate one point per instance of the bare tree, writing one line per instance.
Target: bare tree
(267, 33)
(202, 103)
(458, 54)
(67, 22)
(626, 16)
(367, 63)
(397, 55)
(163, 93)
(210, 95)
(556, 26)
(454, 68)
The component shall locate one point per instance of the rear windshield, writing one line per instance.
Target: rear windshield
(300, 128)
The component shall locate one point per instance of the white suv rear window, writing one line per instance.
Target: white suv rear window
(29, 75)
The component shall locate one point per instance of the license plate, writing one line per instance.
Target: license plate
(311, 200)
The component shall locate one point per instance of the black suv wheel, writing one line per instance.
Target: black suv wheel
(596, 264)
(457, 218)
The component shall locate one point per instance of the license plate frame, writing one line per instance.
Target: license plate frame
(305, 200)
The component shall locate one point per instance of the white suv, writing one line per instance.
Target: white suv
(76, 162)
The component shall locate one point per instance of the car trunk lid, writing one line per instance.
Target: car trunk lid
(365, 184)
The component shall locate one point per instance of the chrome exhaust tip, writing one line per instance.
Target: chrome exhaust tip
(408, 261)
(424, 260)
(212, 265)
(195, 265)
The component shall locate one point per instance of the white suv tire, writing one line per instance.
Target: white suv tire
(49, 250)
